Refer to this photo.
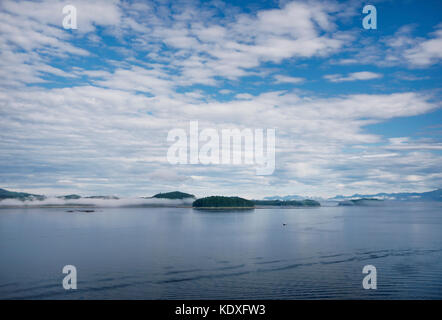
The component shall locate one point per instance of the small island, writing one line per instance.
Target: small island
(174, 195)
(70, 197)
(219, 203)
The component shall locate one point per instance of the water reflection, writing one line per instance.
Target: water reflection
(178, 253)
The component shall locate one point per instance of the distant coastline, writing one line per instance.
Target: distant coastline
(177, 199)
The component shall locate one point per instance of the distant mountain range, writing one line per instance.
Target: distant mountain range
(435, 195)
(285, 198)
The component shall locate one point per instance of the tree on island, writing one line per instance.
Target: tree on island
(222, 202)
(174, 195)
(5, 194)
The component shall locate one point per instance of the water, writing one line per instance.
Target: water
(176, 253)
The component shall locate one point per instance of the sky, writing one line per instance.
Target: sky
(88, 110)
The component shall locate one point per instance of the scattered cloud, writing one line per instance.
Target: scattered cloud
(89, 109)
(287, 79)
(355, 76)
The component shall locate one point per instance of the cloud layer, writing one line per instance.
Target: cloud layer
(88, 110)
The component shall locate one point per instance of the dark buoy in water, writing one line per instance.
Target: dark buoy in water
(284, 224)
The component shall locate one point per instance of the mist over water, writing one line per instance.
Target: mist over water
(97, 202)
(180, 253)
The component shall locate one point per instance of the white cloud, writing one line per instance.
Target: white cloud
(403, 48)
(167, 174)
(355, 76)
(199, 46)
(84, 126)
(230, 48)
(286, 79)
(108, 134)
(243, 96)
(49, 13)
(404, 143)
(426, 52)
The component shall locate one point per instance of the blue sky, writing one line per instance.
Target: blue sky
(88, 110)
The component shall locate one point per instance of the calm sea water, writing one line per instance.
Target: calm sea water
(173, 253)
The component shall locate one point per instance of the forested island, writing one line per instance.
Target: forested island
(239, 203)
(174, 195)
(219, 202)
(22, 196)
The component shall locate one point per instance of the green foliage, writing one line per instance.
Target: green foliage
(174, 195)
(70, 197)
(5, 194)
(103, 197)
(222, 202)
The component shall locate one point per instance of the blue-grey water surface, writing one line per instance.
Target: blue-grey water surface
(178, 253)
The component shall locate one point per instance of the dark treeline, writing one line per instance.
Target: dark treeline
(174, 195)
(222, 202)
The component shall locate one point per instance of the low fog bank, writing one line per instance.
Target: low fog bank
(96, 203)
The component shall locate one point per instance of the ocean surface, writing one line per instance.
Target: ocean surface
(177, 253)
